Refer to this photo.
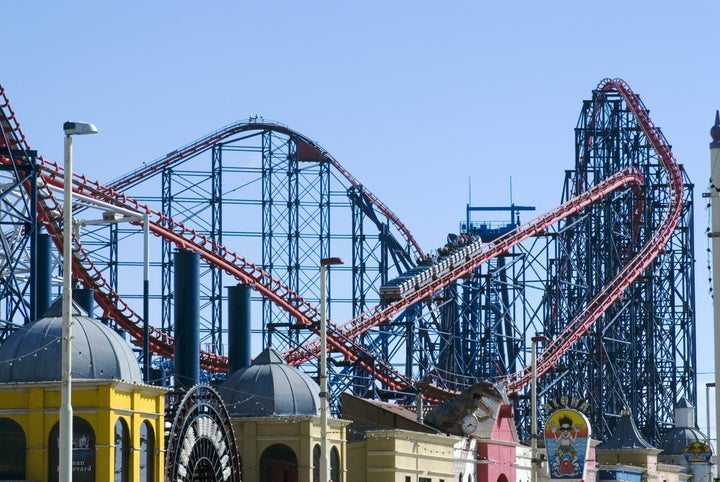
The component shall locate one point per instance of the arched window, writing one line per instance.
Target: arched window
(12, 450)
(334, 465)
(316, 463)
(278, 463)
(122, 451)
(83, 452)
(147, 452)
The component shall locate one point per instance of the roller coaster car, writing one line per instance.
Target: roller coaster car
(417, 278)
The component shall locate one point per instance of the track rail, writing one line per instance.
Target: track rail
(341, 338)
(582, 323)
(51, 215)
(597, 306)
(381, 314)
(204, 143)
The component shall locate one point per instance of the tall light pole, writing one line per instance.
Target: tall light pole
(66, 412)
(534, 462)
(714, 235)
(324, 475)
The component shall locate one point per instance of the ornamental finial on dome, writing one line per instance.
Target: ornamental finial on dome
(715, 132)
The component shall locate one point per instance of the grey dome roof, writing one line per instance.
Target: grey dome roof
(270, 387)
(626, 435)
(677, 439)
(34, 353)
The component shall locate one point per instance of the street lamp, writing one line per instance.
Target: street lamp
(534, 462)
(66, 412)
(324, 476)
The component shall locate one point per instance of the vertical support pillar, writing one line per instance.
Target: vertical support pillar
(42, 283)
(85, 298)
(239, 322)
(187, 319)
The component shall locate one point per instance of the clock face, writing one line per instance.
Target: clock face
(469, 423)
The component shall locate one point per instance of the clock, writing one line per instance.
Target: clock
(469, 424)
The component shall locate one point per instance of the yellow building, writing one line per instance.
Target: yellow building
(118, 422)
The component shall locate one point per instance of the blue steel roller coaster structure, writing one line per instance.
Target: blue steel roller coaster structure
(608, 275)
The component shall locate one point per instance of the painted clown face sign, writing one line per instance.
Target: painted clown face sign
(567, 439)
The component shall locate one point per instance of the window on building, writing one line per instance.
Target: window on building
(122, 451)
(147, 452)
(316, 463)
(12, 450)
(424, 479)
(334, 465)
(83, 448)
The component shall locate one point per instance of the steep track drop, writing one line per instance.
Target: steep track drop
(580, 325)
(341, 339)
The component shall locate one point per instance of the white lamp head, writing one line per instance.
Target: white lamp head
(78, 128)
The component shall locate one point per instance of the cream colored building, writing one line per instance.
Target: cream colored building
(275, 413)
(402, 456)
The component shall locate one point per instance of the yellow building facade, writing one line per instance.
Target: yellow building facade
(122, 423)
(118, 421)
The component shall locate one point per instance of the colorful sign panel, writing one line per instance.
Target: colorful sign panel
(697, 452)
(567, 440)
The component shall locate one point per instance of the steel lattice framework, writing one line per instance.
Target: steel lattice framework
(641, 353)
(601, 274)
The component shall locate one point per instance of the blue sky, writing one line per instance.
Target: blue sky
(426, 103)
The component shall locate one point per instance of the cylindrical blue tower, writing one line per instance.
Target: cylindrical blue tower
(238, 326)
(43, 280)
(187, 319)
(85, 298)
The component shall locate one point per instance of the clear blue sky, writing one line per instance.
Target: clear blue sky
(423, 102)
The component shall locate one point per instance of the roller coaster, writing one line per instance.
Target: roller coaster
(607, 275)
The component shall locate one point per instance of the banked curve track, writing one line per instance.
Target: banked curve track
(614, 289)
(340, 338)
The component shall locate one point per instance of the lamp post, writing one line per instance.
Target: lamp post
(324, 475)
(66, 412)
(534, 462)
(714, 234)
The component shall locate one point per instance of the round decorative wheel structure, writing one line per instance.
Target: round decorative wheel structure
(201, 443)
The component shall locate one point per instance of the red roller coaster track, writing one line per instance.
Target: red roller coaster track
(340, 339)
(50, 215)
(581, 324)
